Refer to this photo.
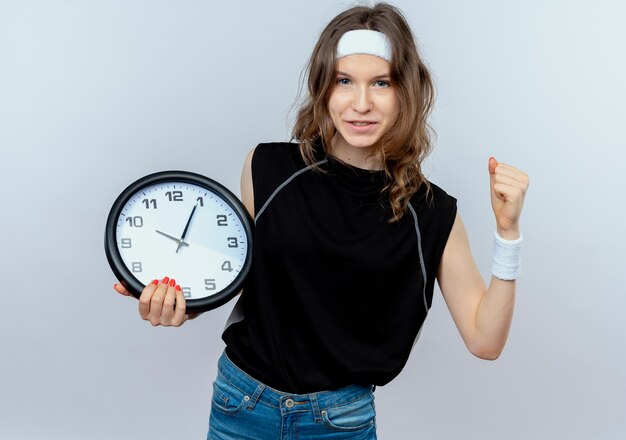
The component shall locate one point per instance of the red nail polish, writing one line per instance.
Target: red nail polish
(177, 287)
(172, 282)
(166, 280)
(155, 282)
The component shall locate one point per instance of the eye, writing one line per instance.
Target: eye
(382, 83)
(343, 81)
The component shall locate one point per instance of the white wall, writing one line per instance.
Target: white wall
(94, 94)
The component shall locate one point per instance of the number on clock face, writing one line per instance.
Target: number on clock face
(183, 231)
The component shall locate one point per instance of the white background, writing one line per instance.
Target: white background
(95, 94)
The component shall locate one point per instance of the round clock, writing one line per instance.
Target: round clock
(185, 226)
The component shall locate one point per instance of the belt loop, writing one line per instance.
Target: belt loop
(316, 409)
(257, 393)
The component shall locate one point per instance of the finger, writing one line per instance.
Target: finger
(491, 166)
(145, 298)
(181, 308)
(121, 289)
(512, 172)
(167, 314)
(156, 302)
(512, 182)
(507, 192)
(493, 163)
(508, 166)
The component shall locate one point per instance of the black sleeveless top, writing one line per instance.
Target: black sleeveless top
(337, 294)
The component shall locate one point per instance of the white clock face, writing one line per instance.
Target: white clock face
(182, 231)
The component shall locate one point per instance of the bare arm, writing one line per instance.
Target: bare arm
(483, 314)
(247, 190)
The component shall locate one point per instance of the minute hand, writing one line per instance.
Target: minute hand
(182, 238)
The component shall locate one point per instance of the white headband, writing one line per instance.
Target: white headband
(364, 41)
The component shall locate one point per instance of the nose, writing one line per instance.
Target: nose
(361, 100)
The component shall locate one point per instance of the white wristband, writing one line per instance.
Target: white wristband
(507, 258)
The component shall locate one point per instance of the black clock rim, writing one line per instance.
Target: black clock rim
(126, 277)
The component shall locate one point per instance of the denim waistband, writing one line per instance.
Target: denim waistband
(258, 391)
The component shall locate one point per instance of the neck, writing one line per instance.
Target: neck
(360, 157)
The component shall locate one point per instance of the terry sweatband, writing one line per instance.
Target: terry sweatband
(364, 41)
(507, 258)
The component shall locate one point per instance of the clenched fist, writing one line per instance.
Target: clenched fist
(508, 189)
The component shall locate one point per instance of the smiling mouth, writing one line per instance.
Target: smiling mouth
(361, 123)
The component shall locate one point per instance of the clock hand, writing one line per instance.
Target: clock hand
(182, 239)
(173, 238)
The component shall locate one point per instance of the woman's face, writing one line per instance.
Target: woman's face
(363, 104)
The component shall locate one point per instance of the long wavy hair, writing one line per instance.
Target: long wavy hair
(406, 144)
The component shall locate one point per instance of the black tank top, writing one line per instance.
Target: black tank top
(337, 294)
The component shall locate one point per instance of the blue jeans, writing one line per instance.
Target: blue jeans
(244, 408)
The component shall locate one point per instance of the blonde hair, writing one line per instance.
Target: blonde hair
(407, 143)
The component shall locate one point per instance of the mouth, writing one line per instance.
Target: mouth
(361, 123)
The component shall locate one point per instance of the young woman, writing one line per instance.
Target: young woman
(349, 239)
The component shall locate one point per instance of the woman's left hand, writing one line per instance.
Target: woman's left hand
(508, 189)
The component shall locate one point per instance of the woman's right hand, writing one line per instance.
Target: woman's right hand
(161, 303)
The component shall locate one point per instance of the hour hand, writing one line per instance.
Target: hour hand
(171, 237)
